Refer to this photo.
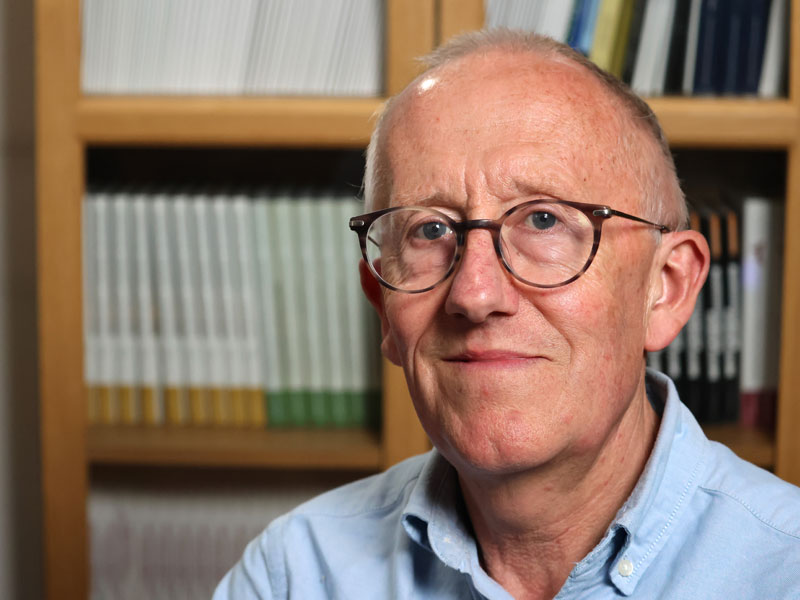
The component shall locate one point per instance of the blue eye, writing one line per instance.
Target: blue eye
(543, 220)
(433, 230)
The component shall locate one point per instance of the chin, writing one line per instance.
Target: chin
(487, 449)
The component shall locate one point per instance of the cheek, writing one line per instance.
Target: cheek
(409, 317)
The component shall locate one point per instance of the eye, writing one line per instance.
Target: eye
(432, 230)
(542, 219)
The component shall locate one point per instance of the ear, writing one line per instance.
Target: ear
(679, 271)
(374, 293)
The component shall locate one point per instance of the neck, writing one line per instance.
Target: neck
(534, 526)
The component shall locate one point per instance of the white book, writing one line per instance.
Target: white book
(263, 58)
(240, 43)
(329, 19)
(217, 357)
(772, 70)
(651, 58)
(270, 291)
(555, 19)
(692, 36)
(762, 261)
(283, 229)
(167, 290)
(252, 359)
(191, 342)
(231, 305)
(345, 44)
(125, 291)
(185, 17)
(148, 348)
(91, 349)
(372, 57)
(285, 32)
(310, 263)
(326, 237)
(91, 51)
(107, 371)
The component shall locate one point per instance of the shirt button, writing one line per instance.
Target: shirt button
(625, 567)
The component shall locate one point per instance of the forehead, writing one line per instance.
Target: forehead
(502, 116)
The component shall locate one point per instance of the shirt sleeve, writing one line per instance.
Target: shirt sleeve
(260, 573)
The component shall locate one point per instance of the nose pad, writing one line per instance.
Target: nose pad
(481, 285)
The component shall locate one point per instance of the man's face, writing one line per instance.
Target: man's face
(504, 376)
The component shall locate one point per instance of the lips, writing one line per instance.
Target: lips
(490, 356)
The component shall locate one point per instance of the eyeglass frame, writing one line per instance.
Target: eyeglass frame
(596, 213)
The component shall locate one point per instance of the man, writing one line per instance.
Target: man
(535, 249)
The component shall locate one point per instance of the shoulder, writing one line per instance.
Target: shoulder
(757, 496)
(302, 551)
(374, 494)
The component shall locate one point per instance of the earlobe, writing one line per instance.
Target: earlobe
(374, 293)
(681, 268)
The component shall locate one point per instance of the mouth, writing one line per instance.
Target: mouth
(492, 358)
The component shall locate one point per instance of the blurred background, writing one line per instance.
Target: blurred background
(185, 353)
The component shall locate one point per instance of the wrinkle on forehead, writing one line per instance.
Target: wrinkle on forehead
(563, 108)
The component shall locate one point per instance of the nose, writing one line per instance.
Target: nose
(481, 286)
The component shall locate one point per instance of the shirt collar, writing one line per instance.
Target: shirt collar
(435, 516)
(661, 496)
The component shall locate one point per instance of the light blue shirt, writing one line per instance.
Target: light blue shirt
(701, 523)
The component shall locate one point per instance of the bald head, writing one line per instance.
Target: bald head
(552, 73)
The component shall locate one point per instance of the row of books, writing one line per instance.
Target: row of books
(175, 544)
(690, 47)
(725, 360)
(326, 47)
(231, 309)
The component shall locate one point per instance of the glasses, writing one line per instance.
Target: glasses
(543, 243)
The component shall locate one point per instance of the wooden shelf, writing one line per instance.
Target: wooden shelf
(346, 122)
(197, 120)
(355, 449)
(753, 445)
(727, 122)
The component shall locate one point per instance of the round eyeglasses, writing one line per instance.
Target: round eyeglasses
(543, 243)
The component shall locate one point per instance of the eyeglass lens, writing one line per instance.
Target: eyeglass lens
(543, 244)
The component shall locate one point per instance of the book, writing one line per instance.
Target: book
(634, 40)
(150, 391)
(754, 40)
(107, 349)
(255, 409)
(712, 47)
(692, 40)
(691, 391)
(650, 67)
(91, 296)
(167, 286)
(762, 252)
(554, 19)
(608, 32)
(124, 287)
(269, 286)
(732, 314)
(195, 357)
(773, 70)
(233, 327)
(676, 60)
(217, 358)
(713, 402)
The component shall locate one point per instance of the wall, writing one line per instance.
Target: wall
(20, 503)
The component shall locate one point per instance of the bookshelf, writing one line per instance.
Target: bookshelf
(68, 123)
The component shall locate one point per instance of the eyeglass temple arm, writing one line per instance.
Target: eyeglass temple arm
(607, 213)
